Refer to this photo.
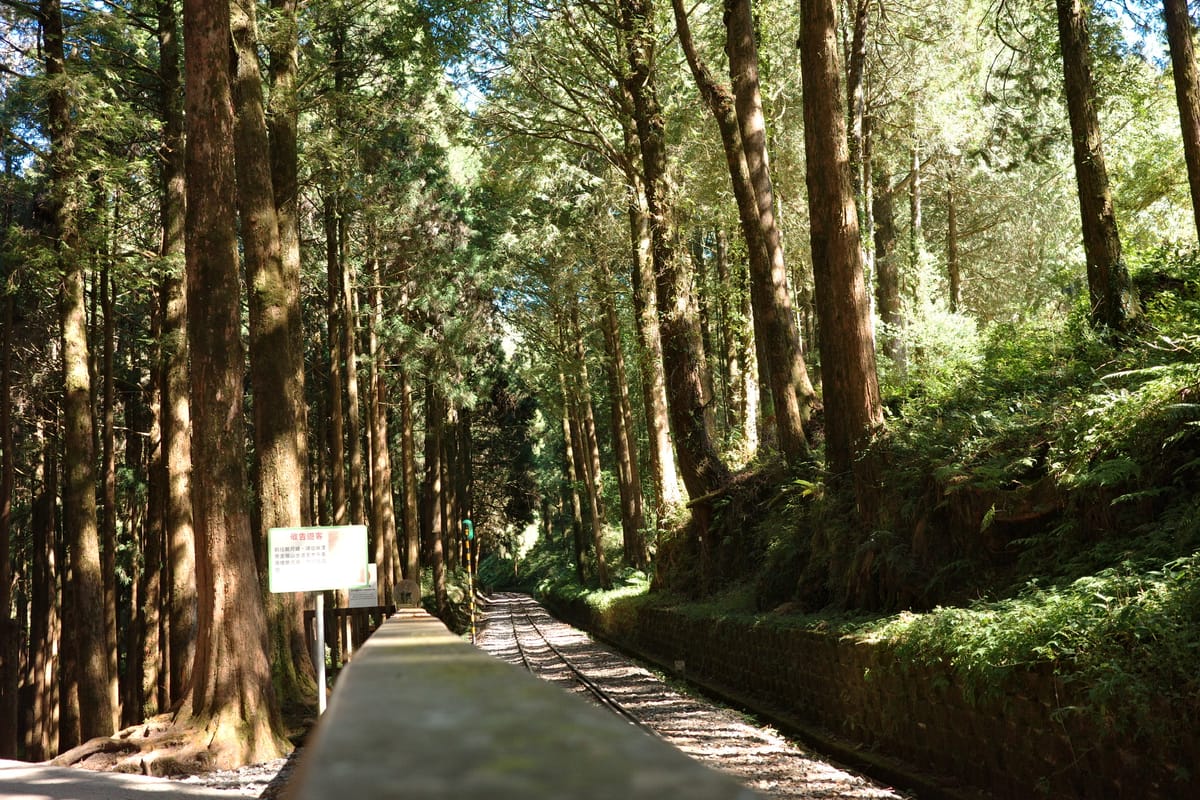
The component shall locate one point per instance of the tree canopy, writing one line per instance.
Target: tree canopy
(565, 269)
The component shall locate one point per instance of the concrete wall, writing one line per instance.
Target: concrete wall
(421, 713)
(911, 719)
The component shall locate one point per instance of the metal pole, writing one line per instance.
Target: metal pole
(319, 656)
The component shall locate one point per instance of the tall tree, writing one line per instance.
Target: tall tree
(9, 626)
(853, 410)
(1180, 33)
(624, 435)
(175, 403)
(273, 374)
(283, 115)
(108, 460)
(80, 521)
(45, 628)
(231, 698)
(383, 511)
(581, 399)
(333, 388)
(887, 274)
(434, 528)
(787, 373)
(791, 395)
(661, 455)
(688, 396)
(1113, 301)
(409, 484)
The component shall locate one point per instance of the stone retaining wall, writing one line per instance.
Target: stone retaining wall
(914, 719)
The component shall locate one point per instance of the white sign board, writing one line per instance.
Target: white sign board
(367, 595)
(316, 559)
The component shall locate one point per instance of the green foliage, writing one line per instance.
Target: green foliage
(1123, 640)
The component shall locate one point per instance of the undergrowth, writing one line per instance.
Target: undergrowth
(1038, 510)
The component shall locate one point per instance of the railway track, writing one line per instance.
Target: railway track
(518, 630)
(594, 689)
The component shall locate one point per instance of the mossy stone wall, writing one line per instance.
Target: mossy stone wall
(912, 719)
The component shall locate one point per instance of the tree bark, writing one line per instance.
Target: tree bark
(435, 419)
(279, 398)
(334, 308)
(357, 465)
(887, 277)
(952, 265)
(852, 408)
(733, 332)
(1187, 91)
(661, 455)
(153, 676)
(9, 627)
(45, 628)
(624, 435)
(231, 698)
(108, 517)
(582, 399)
(175, 404)
(1113, 302)
(383, 510)
(785, 361)
(573, 479)
(916, 235)
(856, 97)
(282, 125)
(408, 455)
(688, 396)
(80, 521)
(790, 395)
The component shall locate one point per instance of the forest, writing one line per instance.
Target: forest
(858, 309)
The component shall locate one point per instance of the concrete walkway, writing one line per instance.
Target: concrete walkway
(21, 780)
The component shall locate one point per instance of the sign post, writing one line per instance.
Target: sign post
(315, 560)
(469, 531)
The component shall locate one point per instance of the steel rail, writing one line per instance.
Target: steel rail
(604, 698)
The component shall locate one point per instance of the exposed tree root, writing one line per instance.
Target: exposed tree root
(162, 746)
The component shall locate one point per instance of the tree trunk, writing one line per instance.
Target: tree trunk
(790, 396)
(153, 676)
(145, 646)
(856, 95)
(435, 414)
(231, 698)
(732, 332)
(450, 517)
(1113, 302)
(383, 510)
(408, 455)
(887, 277)
(273, 375)
(582, 398)
(45, 628)
(661, 455)
(573, 479)
(916, 236)
(108, 460)
(624, 435)
(335, 309)
(282, 124)
(852, 408)
(688, 396)
(785, 361)
(9, 627)
(357, 465)
(952, 266)
(1187, 91)
(175, 405)
(80, 521)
